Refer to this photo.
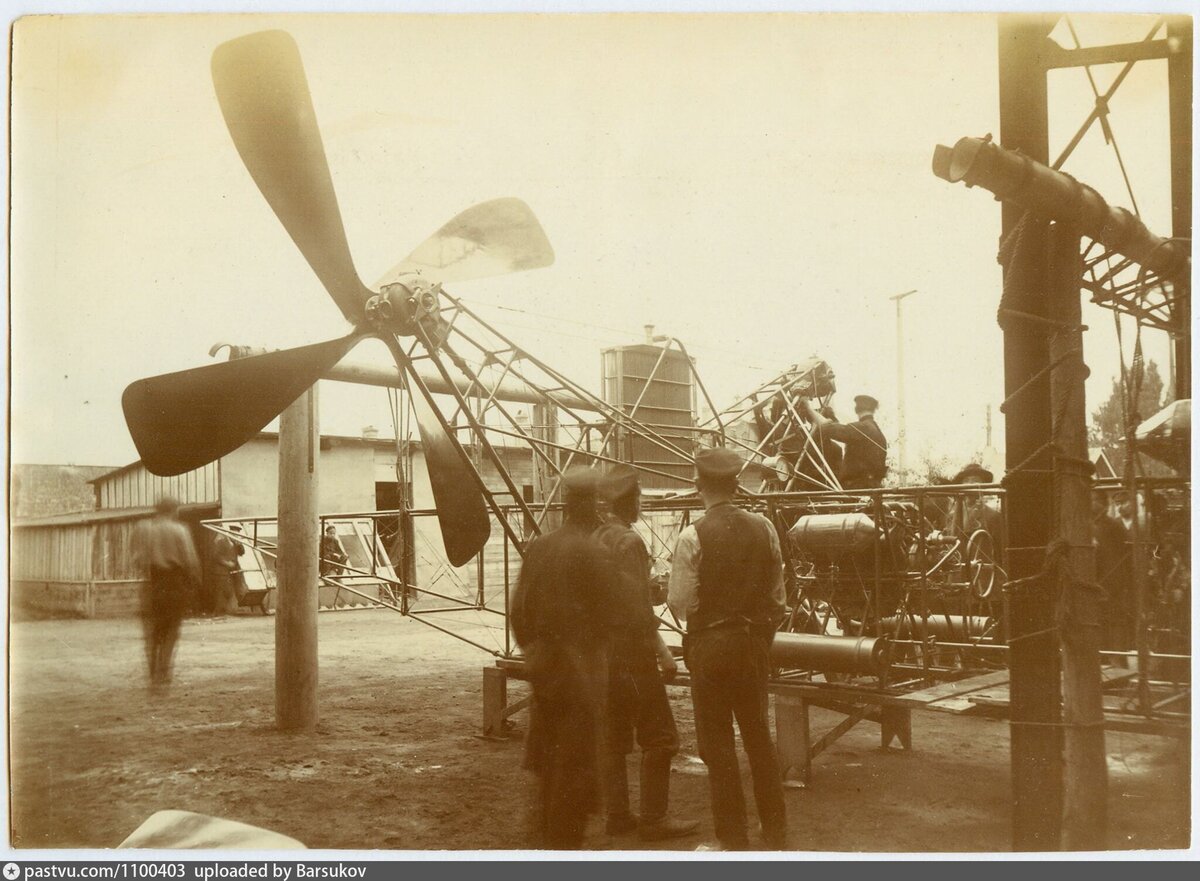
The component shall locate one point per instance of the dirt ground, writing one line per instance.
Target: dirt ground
(395, 763)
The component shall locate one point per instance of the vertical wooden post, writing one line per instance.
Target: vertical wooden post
(792, 738)
(297, 567)
(1036, 741)
(1179, 84)
(495, 702)
(1085, 789)
(545, 427)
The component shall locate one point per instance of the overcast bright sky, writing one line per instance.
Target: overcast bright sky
(757, 186)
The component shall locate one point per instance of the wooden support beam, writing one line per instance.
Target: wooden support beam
(791, 738)
(1036, 741)
(1179, 85)
(1143, 50)
(1085, 783)
(495, 704)
(297, 567)
(831, 736)
(895, 723)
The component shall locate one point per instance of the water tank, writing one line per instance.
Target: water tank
(655, 386)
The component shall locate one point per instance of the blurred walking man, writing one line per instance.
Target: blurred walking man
(639, 664)
(727, 583)
(165, 548)
(561, 617)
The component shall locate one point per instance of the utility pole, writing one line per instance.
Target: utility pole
(297, 567)
(902, 437)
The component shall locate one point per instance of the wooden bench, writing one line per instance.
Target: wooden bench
(795, 741)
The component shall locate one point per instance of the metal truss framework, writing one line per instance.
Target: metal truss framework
(1154, 298)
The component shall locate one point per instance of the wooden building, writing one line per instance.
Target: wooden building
(81, 564)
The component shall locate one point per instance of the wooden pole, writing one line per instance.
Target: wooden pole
(1085, 783)
(1179, 81)
(1036, 741)
(297, 567)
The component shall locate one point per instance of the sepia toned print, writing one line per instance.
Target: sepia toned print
(822, 378)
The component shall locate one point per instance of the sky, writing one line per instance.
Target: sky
(757, 186)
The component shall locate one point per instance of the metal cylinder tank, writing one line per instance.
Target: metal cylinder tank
(831, 533)
(836, 654)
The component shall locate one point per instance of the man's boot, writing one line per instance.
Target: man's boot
(656, 781)
(616, 797)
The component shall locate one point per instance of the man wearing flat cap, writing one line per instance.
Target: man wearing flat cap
(727, 584)
(562, 617)
(639, 663)
(864, 463)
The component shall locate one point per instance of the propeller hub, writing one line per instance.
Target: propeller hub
(402, 308)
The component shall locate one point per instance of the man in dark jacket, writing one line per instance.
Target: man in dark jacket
(1114, 572)
(165, 550)
(333, 555)
(639, 663)
(969, 513)
(562, 615)
(864, 463)
(229, 585)
(727, 583)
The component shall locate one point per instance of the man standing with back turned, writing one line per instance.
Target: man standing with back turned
(727, 583)
(562, 615)
(164, 547)
(639, 663)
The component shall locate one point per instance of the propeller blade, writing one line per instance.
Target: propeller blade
(180, 421)
(462, 512)
(491, 238)
(268, 109)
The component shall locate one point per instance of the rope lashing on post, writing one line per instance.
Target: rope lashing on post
(1021, 277)
(1003, 313)
(1044, 372)
(1049, 631)
(1054, 551)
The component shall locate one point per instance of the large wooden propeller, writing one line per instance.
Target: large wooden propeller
(181, 421)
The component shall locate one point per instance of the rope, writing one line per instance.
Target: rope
(1033, 635)
(1003, 313)
(1095, 723)
(1022, 467)
(1054, 551)
(1045, 371)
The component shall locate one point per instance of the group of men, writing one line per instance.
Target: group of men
(583, 616)
(807, 456)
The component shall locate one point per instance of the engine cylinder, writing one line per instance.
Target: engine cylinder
(836, 654)
(833, 533)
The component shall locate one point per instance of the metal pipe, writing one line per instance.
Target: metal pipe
(835, 654)
(358, 373)
(944, 627)
(1016, 178)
